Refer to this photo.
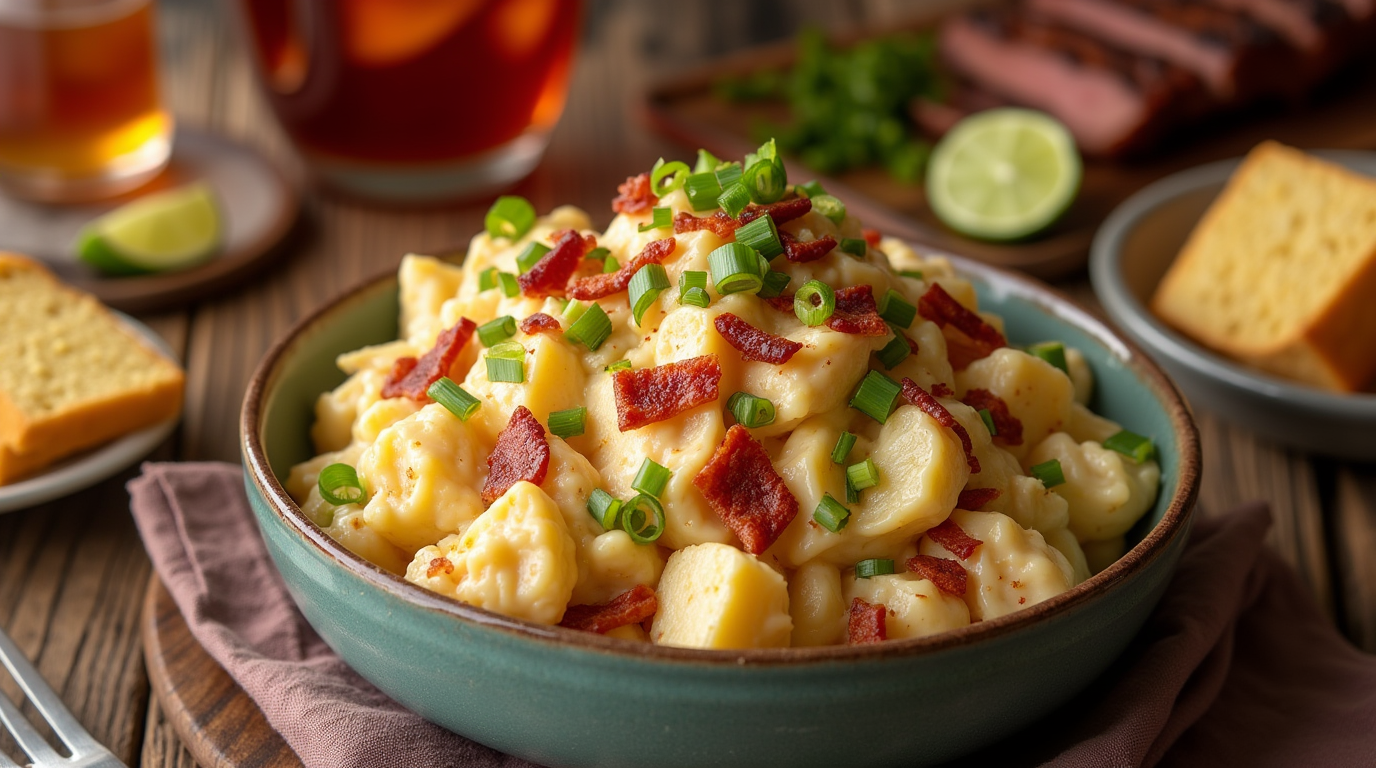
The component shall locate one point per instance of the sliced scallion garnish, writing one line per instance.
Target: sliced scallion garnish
(591, 328)
(496, 331)
(702, 190)
(659, 219)
(574, 310)
(895, 352)
(751, 411)
(339, 485)
(729, 174)
(735, 268)
(844, 443)
(810, 189)
(830, 514)
(733, 198)
(453, 398)
(1049, 472)
(510, 217)
(651, 478)
(646, 284)
(597, 254)
(876, 396)
(773, 284)
(875, 566)
(487, 279)
(506, 362)
(643, 519)
(814, 303)
(915, 274)
(1052, 352)
(852, 493)
(510, 288)
(855, 246)
(531, 256)
(610, 265)
(863, 475)
(707, 162)
(568, 423)
(605, 509)
(830, 207)
(988, 419)
(619, 365)
(1130, 444)
(765, 180)
(762, 236)
(696, 297)
(896, 310)
(667, 177)
(691, 279)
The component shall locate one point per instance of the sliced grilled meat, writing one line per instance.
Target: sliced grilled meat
(1327, 33)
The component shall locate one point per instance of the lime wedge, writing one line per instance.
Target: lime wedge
(1003, 174)
(165, 231)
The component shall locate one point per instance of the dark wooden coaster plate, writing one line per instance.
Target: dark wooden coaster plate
(259, 206)
(219, 724)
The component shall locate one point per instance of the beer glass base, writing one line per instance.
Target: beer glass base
(432, 182)
(125, 174)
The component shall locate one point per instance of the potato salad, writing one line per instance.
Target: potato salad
(733, 419)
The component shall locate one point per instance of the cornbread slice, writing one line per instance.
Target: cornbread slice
(71, 375)
(1281, 271)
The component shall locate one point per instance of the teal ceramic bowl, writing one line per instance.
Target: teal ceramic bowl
(565, 698)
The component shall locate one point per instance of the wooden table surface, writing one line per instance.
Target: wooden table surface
(73, 572)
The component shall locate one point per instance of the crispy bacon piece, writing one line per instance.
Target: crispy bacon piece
(521, 453)
(753, 343)
(725, 227)
(940, 389)
(872, 236)
(719, 223)
(781, 212)
(411, 377)
(437, 566)
(540, 323)
(866, 623)
(974, 498)
(647, 395)
(601, 286)
(552, 272)
(954, 539)
(636, 195)
(912, 345)
(980, 339)
(630, 607)
(1008, 426)
(856, 313)
(799, 252)
(747, 494)
(948, 575)
(932, 407)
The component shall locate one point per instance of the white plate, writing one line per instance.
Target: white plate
(86, 469)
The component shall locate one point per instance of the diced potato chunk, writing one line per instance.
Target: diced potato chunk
(1107, 492)
(554, 382)
(716, 596)
(1012, 569)
(816, 604)
(424, 284)
(1037, 393)
(916, 608)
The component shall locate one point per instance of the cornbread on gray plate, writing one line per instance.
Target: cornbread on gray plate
(72, 375)
(1281, 271)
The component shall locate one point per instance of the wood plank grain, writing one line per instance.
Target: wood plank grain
(161, 745)
(1354, 538)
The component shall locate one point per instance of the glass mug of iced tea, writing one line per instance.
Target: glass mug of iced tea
(410, 100)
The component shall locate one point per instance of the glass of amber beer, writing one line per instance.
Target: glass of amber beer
(409, 100)
(80, 114)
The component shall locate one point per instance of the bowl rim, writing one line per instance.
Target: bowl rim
(1137, 321)
(1174, 523)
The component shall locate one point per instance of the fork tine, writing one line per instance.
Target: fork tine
(45, 700)
(28, 739)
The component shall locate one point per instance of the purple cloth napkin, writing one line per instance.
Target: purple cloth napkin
(1236, 667)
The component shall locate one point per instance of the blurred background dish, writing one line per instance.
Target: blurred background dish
(1131, 253)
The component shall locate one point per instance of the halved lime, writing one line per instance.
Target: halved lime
(165, 231)
(1003, 174)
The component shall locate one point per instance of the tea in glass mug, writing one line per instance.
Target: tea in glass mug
(80, 112)
(415, 99)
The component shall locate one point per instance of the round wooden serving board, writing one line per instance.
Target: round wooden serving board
(219, 724)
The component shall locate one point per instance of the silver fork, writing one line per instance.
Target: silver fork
(86, 751)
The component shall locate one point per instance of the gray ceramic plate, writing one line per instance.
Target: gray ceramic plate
(1132, 252)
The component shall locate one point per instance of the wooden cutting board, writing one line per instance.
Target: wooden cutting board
(1340, 115)
(219, 724)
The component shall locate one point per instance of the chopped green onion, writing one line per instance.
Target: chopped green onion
(1049, 472)
(733, 199)
(605, 509)
(765, 180)
(988, 419)
(1132, 445)
(863, 475)
(487, 279)
(1052, 352)
(774, 284)
(453, 398)
(810, 189)
(531, 256)
(676, 172)
(597, 254)
(619, 365)
(568, 423)
(506, 362)
(728, 175)
(691, 279)
(875, 566)
(643, 519)
(844, 443)
(915, 274)
(646, 284)
(855, 246)
(510, 288)
(592, 328)
(767, 151)
(810, 312)
(497, 331)
(761, 235)
(651, 478)
(574, 310)
(508, 350)
(895, 352)
(707, 162)
(702, 190)
(696, 297)
(610, 265)
(830, 207)
(895, 309)
(659, 219)
(751, 411)
(876, 396)
(830, 514)
(510, 217)
(339, 485)
(852, 493)
(735, 268)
